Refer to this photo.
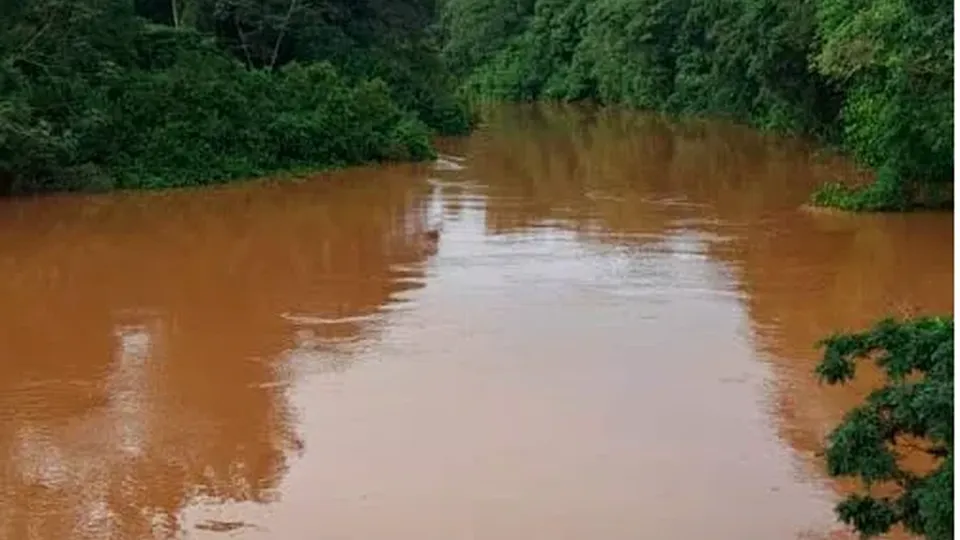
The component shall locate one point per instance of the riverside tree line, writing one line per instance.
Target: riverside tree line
(103, 94)
(120, 94)
(874, 77)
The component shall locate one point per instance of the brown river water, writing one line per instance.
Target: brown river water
(612, 339)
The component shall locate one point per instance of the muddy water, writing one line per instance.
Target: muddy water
(613, 338)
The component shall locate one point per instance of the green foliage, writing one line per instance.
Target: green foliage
(875, 77)
(746, 59)
(240, 123)
(626, 50)
(94, 97)
(917, 402)
(886, 194)
(477, 30)
(895, 58)
(392, 40)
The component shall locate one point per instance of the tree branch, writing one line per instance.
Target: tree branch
(283, 31)
(243, 40)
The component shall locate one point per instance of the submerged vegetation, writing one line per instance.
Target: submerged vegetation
(104, 94)
(913, 412)
(875, 78)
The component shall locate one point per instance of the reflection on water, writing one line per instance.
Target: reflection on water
(146, 341)
(613, 337)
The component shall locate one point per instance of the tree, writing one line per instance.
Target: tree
(912, 412)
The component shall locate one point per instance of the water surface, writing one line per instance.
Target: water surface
(613, 339)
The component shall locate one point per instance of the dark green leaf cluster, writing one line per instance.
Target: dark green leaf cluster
(915, 405)
(874, 77)
(392, 40)
(95, 96)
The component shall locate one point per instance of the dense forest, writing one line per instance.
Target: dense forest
(874, 78)
(104, 94)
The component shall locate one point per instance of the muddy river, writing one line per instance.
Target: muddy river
(610, 336)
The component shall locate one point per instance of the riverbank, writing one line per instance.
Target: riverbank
(145, 105)
(885, 194)
(835, 72)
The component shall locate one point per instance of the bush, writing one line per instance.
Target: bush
(180, 112)
(230, 122)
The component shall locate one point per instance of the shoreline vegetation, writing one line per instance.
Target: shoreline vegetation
(99, 95)
(874, 79)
